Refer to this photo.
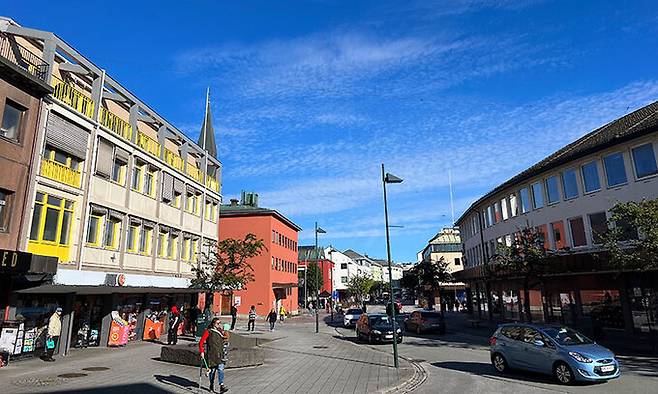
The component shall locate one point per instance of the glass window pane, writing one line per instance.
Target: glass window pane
(525, 200)
(10, 121)
(36, 220)
(137, 174)
(92, 230)
(514, 204)
(615, 171)
(537, 195)
(497, 215)
(599, 224)
(569, 184)
(552, 190)
(591, 177)
(64, 233)
(645, 161)
(142, 240)
(61, 158)
(578, 232)
(54, 201)
(490, 216)
(503, 208)
(109, 233)
(50, 228)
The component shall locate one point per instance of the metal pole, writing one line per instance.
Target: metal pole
(317, 281)
(390, 275)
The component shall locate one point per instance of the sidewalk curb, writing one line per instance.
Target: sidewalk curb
(416, 380)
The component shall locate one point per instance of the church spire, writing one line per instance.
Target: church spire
(207, 135)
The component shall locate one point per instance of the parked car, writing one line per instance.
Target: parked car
(554, 350)
(425, 321)
(377, 327)
(351, 316)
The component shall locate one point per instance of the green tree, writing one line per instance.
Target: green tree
(409, 282)
(430, 275)
(526, 260)
(224, 265)
(379, 288)
(632, 239)
(314, 279)
(359, 286)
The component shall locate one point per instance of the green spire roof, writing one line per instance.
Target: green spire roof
(207, 135)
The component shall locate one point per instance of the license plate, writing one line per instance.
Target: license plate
(608, 368)
(388, 336)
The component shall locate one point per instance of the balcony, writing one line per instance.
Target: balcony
(194, 173)
(74, 98)
(212, 183)
(23, 58)
(116, 124)
(60, 173)
(148, 144)
(174, 160)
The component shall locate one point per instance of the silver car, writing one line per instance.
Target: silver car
(351, 317)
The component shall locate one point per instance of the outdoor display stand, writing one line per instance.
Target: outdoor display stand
(153, 327)
(119, 330)
(18, 340)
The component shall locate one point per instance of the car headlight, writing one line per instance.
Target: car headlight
(376, 332)
(580, 358)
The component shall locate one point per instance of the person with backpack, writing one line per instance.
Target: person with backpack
(213, 353)
(252, 318)
(271, 317)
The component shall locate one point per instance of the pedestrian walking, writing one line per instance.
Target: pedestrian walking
(213, 353)
(174, 322)
(271, 317)
(194, 315)
(53, 334)
(252, 318)
(234, 315)
(282, 313)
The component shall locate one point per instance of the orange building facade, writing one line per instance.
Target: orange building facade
(275, 270)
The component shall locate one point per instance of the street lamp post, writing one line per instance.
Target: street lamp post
(390, 178)
(318, 230)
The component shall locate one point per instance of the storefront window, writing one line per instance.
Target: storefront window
(603, 307)
(644, 308)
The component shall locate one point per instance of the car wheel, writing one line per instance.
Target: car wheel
(563, 373)
(499, 363)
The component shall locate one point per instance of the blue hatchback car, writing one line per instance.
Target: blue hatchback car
(554, 350)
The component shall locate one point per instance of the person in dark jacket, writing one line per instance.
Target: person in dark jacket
(271, 317)
(174, 322)
(212, 349)
(234, 315)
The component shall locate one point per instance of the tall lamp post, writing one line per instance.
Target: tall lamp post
(390, 178)
(318, 230)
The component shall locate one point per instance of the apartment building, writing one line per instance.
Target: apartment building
(446, 245)
(567, 197)
(119, 196)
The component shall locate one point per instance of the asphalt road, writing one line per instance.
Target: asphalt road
(459, 363)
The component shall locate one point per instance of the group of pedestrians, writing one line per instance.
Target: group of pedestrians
(271, 317)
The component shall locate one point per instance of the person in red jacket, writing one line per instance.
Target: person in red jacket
(212, 346)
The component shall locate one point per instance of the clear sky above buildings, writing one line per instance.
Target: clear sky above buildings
(309, 98)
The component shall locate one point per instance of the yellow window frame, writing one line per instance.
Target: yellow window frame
(60, 218)
(131, 245)
(148, 234)
(185, 256)
(99, 220)
(174, 247)
(162, 249)
(152, 182)
(140, 178)
(195, 245)
(177, 200)
(122, 172)
(115, 234)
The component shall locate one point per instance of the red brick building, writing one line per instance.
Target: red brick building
(275, 270)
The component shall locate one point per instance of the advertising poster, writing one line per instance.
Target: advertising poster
(28, 341)
(119, 330)
(8, 339)
(152, 330)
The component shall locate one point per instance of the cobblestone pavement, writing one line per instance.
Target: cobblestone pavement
(297, 360)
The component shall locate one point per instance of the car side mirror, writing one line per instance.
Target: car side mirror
(539, 343)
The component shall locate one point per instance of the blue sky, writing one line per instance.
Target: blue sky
(309, 98)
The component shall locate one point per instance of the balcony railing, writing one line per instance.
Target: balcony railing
(212, 183)
(59, 172)
(148, 144)
(73, 98)
(116, 124)
(194, 173)
(23, 57)
(174, 160)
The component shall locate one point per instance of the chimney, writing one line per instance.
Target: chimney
(234, 202)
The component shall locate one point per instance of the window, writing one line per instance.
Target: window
(577, 232)
(11, 120)
(537, 195)
(543, 236)
(569, 184)
(172, 247)
(193, 250)
(5, 209)
(525, 200)
(65, 159)
(458, 261)
(591, 180)
(163, 240)
(145, 236)
(343, 266)
(645, 161)
(136, 182)
(615, 171)
(112, 231)
(514, 205)
(119, 171)
(557, 229)
(177, 200)
(192, 203)
(503, 208)
(599, 224)
(490, 216)
(497, 215)
(185, 256)
(552, 190)
(131, 238)
(51, 220)
(343, 279)
(149, 182)
(94, 230)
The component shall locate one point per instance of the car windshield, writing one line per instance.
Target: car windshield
(566, 336)
(380, 320)
(354, 311)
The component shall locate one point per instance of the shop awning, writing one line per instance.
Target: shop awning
(99, 290)
(284, 285)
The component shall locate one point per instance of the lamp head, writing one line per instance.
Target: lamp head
(390, 178)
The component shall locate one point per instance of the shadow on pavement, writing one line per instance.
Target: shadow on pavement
(327, 355)
(142, 388)
(644, 366)
(177, 381)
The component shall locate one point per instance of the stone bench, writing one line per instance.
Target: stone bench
(243, 352)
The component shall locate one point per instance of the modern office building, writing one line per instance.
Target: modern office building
(275, 270)
(446, 245)
(118, 195)
(567, 197)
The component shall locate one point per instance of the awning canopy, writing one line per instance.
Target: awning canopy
(284, 285)
(98, 290)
